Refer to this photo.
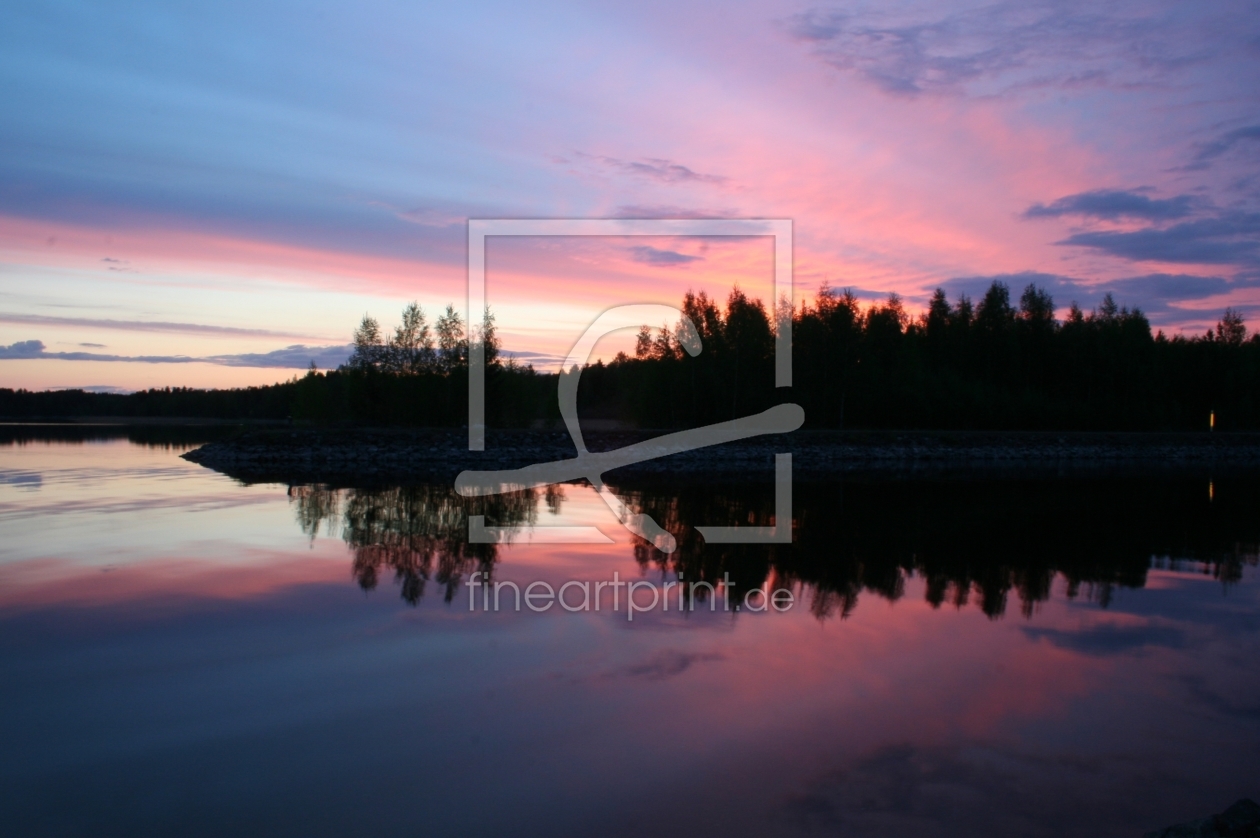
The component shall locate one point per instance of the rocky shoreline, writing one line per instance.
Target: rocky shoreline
(1242, 820)
(362, 455)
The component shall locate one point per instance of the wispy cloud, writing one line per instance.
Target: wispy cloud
(668, 211)
(1202, 234)
(1113, 204)
(145, 326)
(1229, 238)
(654, 168)
(657, 257)
(119, 265)
(543, 361)
(291, 357)
(1211, 150)
(1000, 46)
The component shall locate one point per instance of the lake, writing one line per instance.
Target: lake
(181, 654)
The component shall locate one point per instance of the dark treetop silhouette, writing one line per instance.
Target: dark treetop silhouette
(997, 365)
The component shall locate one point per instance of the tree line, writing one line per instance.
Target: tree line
(995, 364)
(418, 376)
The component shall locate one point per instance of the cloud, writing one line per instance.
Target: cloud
(540, 360)
(291, 357)
(1210, 151)
(443, 215)
(1215, 237)
(654, 168)
(651, 211)
(1155, 294)
(1001, 46)
(23, 349)
(1228, 238)
(93, 345)
(118, 265)
(657, 257)
(1163, 287)
(144, 326)
(1112, 204)
(975, 286)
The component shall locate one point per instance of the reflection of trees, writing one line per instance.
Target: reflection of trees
(975, 540)
(166, 437)
(419, 532)
(986, 542)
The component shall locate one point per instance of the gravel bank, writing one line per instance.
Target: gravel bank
(360, 456)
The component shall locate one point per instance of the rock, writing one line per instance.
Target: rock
(1242, 820)
(346, 454)
(1202, 828)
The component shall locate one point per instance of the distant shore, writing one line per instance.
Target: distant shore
(346, 456)
(129, 421)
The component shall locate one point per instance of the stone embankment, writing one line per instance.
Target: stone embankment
(354, 456)
(1242, 820)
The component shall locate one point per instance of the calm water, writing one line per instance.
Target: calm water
(184, 655)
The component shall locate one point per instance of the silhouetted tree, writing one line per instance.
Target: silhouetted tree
(369, 351)
(1231, 329)
(991, 366)
(411, 351)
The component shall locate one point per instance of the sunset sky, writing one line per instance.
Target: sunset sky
(213, 194)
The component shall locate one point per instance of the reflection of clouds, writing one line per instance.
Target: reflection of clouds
(1241, 705)
(979, 789)
(21, 479)
(665, 663)
(1111, 639)
(120, 506)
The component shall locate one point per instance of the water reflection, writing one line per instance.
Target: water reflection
(176, 657)
(418, 532)
(166, 437)
(981, 542)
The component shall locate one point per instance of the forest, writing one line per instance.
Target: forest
(996, 364)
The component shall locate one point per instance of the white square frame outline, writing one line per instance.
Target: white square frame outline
(479, 228)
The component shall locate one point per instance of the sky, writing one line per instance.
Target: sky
(214, 194)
